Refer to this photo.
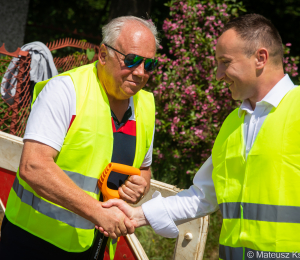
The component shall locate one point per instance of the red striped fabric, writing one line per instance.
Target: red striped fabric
(71, 122)
(129, 128)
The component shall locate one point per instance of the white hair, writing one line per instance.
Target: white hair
(112, 30)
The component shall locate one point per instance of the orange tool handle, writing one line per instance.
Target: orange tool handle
(115, 167)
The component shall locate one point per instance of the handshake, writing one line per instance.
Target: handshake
(122, 219)
(116, 218)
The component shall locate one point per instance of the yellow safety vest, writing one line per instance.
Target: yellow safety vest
(86, 151)
(260, 197)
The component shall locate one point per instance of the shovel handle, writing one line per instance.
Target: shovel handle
(115, 167)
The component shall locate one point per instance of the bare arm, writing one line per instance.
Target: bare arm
(39, 170)
(136, 186)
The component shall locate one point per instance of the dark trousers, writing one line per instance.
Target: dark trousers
(18, 244)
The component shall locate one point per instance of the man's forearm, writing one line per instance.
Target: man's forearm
(50, 182)
(41, 173)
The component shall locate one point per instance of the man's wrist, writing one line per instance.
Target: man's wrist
(140, 217)
(94, 210)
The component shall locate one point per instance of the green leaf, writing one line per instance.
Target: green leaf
(234, 11)
(90, 53)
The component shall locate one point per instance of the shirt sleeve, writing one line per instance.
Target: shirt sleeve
(148, 157)
(51, 113)
(199, 200)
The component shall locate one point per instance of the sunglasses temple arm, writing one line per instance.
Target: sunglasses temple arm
(115, 50)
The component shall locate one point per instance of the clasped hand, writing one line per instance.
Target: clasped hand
(121, 229)
(113, 221)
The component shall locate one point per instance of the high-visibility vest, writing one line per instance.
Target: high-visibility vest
(112, 247)
(260, 197)
(86, 151)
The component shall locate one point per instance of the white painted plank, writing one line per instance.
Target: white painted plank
(10, 151)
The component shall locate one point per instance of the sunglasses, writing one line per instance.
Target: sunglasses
(133, 60)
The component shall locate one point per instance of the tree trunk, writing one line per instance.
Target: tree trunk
(13, 17)
(139, 8)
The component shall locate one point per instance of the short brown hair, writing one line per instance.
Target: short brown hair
(257, 31)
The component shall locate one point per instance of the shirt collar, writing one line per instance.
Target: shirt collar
(274, 96)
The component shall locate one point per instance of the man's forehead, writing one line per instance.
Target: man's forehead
(136, 38)
(134, 32)
(228, 44)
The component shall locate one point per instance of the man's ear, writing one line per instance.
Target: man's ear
(262, 56)
(102, 55)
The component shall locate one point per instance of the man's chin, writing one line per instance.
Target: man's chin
(234, 95)
(131, 91)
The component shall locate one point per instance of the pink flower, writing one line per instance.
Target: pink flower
(176, 120)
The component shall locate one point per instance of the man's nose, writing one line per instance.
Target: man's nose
(220, 73)
(139, 70)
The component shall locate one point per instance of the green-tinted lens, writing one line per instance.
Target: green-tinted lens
(150, 64)
(132, 60)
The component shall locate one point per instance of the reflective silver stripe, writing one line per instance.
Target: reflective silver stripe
(261, 212)
(84, 182)
(230, 253)
(236, 253)
(230, 210)
(50, 209)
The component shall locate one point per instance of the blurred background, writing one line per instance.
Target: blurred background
(23, 21)
(191, 105)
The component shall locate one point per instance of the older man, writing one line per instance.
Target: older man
(253, 174)
(81, 121)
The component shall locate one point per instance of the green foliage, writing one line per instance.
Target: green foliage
(155, 246)
(62, 19)
(212, 243)
(96, 4)
(90, 54)
(160, 248)
(284, 14)
(190, 103)
(4, 62)
(3, 109)
(291, 64)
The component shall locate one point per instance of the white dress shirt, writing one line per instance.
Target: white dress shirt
(200, 199)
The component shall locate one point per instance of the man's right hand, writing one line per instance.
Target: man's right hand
(114, 222)
(135, 215)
